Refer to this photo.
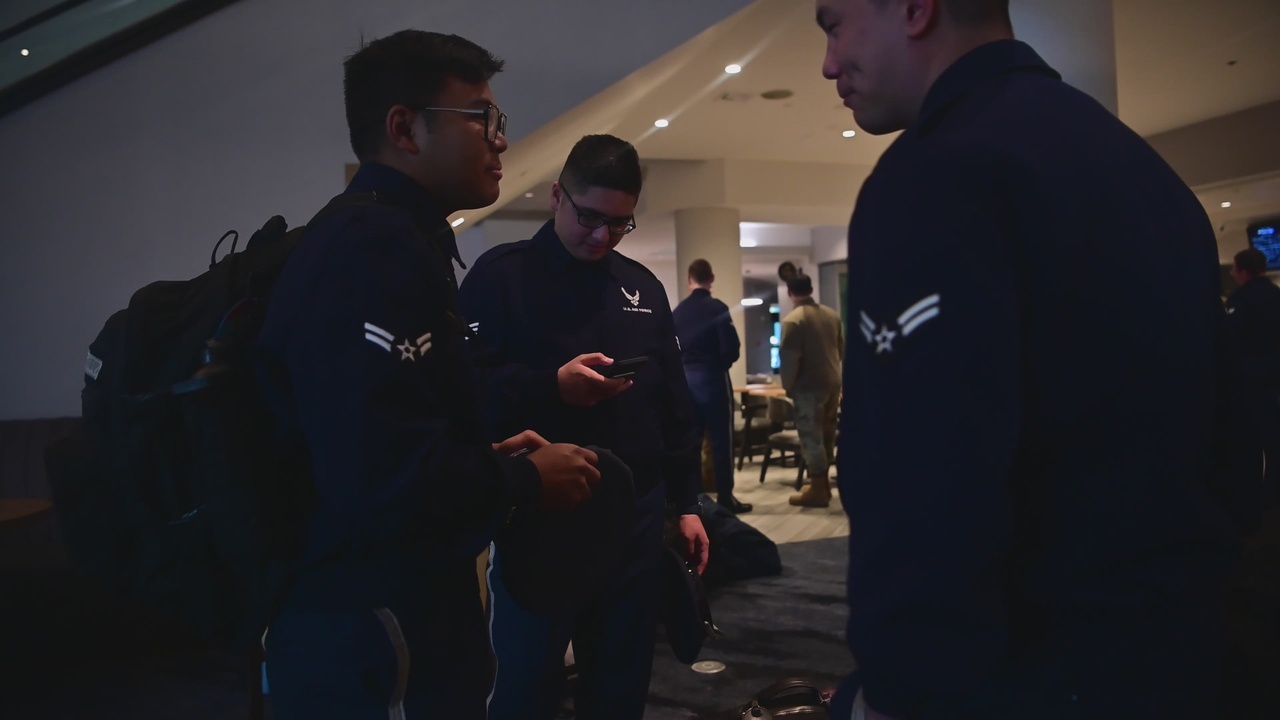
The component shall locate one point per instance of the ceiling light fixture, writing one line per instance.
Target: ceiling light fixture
(1226, 204)
(25, 52)
(661, 123)
(849, 133)
(733, 69)
(528, 194)
(458, 222)
(752, 302)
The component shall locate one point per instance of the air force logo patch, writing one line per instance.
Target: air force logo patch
(883, 336)
(410, 349)
(634, 299)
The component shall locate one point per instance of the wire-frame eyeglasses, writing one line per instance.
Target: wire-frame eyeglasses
(592, 219)
(495, 121)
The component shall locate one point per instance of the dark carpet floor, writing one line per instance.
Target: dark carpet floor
(67, 651)
(790, 625)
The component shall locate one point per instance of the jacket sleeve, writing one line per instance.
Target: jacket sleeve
(508, 386)
(790, 347)
(727, 335)
(930, 434)
(380, 375)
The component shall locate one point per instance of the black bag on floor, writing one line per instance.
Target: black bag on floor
(738, 551)
(178, 494)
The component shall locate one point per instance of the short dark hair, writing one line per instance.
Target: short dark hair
(800, 286)
(602, 161)
(409, 68)
(700, 271)
(970, 12)
(1252, 261)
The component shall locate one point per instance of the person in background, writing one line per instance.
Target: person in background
(1253, 328)
(709, 345)
(811, 349)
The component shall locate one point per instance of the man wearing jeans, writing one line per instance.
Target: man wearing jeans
(812, 350)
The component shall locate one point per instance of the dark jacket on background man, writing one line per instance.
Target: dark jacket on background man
(812, 347)
(707, 338)
(1253, 325)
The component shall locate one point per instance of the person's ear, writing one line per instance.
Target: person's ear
(399, 130)
(557, 196)
(919, 17)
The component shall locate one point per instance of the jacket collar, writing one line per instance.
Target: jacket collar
(396, 188)
(979, 65)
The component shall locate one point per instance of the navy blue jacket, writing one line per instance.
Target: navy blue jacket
(364, 362)
(537, 308)
(1029, 392)
(708, 340)
(1253, 324)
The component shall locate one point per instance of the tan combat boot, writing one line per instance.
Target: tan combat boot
(816, 494)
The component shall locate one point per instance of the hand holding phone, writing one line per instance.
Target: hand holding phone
(582, 384)
(622, 368)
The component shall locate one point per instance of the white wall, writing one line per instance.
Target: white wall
(666, 272)
(830, 244)
(132, 173)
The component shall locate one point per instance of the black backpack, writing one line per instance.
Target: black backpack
(177, 493)
(738, 551)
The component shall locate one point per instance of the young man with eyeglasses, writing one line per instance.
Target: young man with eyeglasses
(365, 365)
(553, 313)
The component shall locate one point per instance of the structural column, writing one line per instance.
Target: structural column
(712, 234)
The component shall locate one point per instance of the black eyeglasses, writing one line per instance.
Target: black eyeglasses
(592, 219)
(495, 121)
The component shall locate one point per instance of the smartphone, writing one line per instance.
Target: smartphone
(622, 368)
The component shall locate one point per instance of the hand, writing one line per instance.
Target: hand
(527, 440)
(584, 387)
(696, 545)
(567, 473)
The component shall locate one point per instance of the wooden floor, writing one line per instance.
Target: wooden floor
(777, 519)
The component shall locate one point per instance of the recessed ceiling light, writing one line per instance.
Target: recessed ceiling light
(752, 302)
(1226, 204)
(733, 69)
(25, 52)
(528, 194)
(661, 123)
(849, 133)
(458, 222)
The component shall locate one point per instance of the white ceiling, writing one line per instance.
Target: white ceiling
(1171, 65)
(1172, 59)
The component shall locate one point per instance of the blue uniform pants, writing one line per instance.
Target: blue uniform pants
(423, 661)
(613, 636)
(713, 414)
